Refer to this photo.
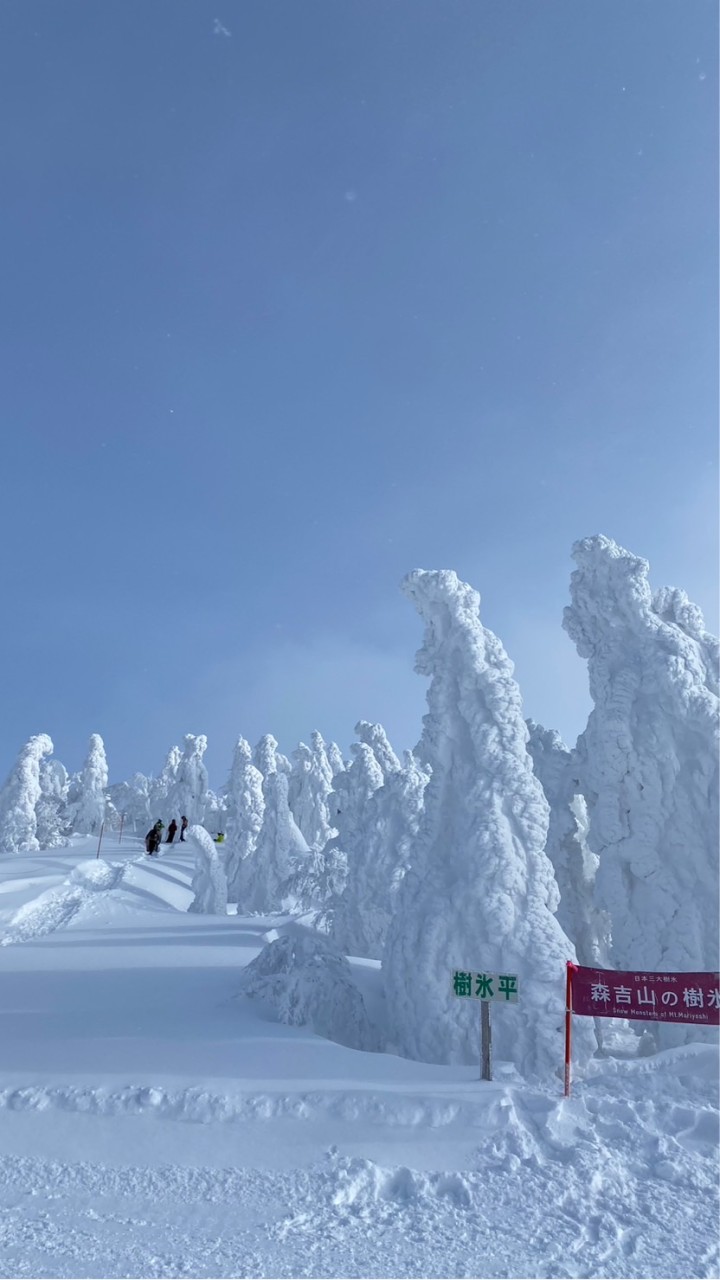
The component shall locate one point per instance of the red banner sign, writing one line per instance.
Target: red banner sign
(659, 997)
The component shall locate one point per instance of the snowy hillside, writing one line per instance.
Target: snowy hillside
(231, 1038)
(153, 1122)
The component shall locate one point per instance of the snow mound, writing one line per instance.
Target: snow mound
(308, 982)
(55, 908)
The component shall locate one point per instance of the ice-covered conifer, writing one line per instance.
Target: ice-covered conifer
(335, 759)
(246, 807)
(88, 810)
(479, 894)
(309, 786)
(575, 865)
(376, 738)
(268, 759)
(19, 797)
(50, 810)
(379, 860)
(133, 802)
(163, 786)
(209, 882)
(188, 792)
(648, 763)
(279, 849)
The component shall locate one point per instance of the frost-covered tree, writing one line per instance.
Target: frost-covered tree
(376, 738)
(379, 859)
(335, 759)
(309, 786)
(133, 801)
(320, 880)
(575, 865)
(90, 799)
(480, 895)
(648, 764)
(209, 882)
(163, 786)
(19, 798)
(187, 794)
(246, 807)
(268, 759)
(279, 849)
(50, 810)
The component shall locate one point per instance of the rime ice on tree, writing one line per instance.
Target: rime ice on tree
(246, 806)
(187, 793)
(648, 763)
(480, 890)
(19, 797)
(209, 882)
(574, 863)
(88, 810)
(380, 854)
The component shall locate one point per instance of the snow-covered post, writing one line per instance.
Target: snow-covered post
(246, 806)
(480, 893)
(19, 798)
(209, 882)
(89, 808)
(648, 765)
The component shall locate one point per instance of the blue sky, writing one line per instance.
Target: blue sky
(297, 297)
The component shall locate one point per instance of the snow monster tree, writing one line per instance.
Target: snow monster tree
(480, 893)
(648, 764)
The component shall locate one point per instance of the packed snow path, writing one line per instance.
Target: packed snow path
(152, 1123)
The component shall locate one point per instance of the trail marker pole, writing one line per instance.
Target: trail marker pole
(568, 1025)
(485, 987)
(485, 1041)
(102, 828)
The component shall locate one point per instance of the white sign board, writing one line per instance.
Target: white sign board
(485, 986)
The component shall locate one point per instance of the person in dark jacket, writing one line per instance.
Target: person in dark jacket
(153, 837)
(171, 831)
(183, 827)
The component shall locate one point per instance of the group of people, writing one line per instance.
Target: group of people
(153, 839)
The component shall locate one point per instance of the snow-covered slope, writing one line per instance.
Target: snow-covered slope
(154, 1122)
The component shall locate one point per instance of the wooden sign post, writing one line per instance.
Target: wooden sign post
(485, 987)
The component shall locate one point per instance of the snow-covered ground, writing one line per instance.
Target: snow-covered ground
(155, 1123)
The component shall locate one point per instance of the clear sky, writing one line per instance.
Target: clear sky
(298, 295)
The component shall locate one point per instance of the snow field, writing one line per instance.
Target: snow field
(154, 1122)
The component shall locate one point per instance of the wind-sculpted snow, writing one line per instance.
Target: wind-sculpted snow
(308, 982)
(209, 883)
(19, 797)
(481, 892)
(648, 764)
(56, 908)
(574, 863)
